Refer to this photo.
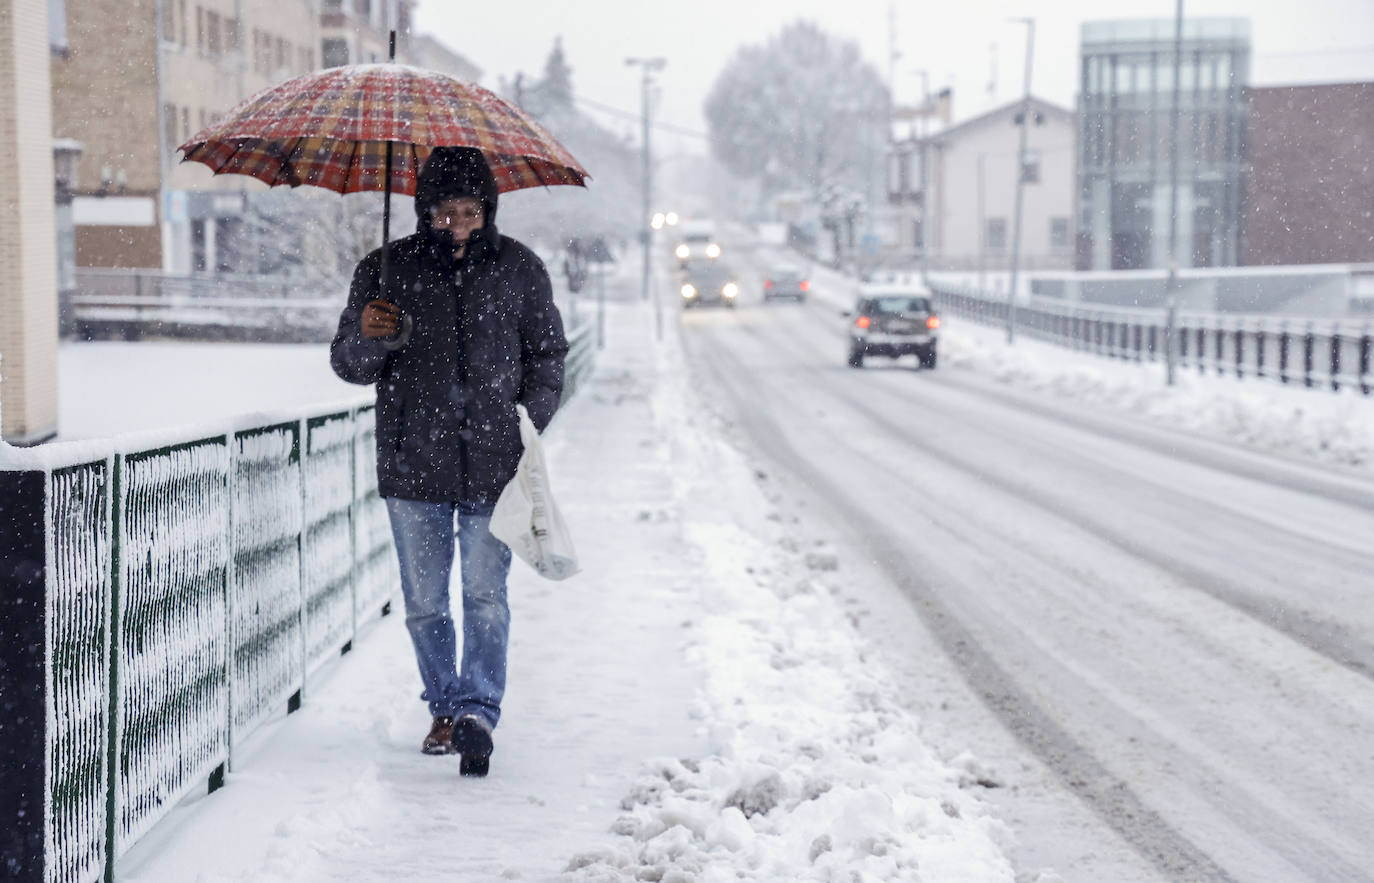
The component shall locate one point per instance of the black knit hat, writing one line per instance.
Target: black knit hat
(452, 173)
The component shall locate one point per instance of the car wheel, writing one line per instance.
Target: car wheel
(927, 358)
(856, 358)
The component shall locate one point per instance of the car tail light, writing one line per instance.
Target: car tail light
(805, 285)
(768, 283)
(862, 322)
(933, 322)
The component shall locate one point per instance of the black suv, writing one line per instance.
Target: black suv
(894, 325)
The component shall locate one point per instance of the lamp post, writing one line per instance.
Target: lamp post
(1170, 286)
(648, 67)
(925, 177)
(1020, 180)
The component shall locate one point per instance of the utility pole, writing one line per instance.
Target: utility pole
(648, 66)
(925, 177)
(1170, 286)
(1020, 180)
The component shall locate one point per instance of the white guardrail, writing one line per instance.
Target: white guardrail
(1315, 353)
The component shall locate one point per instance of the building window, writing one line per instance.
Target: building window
(169, 125)
(334, 53)
(57, 26)
(1059, 235)
(1030, 167)
(213, 34)
(181, 23)
(169, 24)
(918, 235)
(185, 124)
(231, 34)
(995, 241)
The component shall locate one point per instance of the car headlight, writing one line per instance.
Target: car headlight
(682, 251)
(730, 289)
(689, 291)
(713, 250)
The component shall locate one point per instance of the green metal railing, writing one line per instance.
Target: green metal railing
(189, 590)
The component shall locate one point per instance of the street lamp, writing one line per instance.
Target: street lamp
(1171, 286)
(1020, 179)
(648, 67)
(925, 177)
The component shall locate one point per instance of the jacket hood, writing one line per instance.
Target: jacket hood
(453, 172)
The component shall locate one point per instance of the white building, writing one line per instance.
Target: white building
(972, 188)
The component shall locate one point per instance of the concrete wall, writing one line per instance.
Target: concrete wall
(28, 233)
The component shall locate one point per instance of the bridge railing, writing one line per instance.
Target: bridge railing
(163, 596)
(1315, 353)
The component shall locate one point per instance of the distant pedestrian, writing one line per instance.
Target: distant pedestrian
(466, 329)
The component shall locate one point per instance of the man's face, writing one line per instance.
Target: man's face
(461, 217)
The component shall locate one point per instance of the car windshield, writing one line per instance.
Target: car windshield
(709, 274)
(899, 305)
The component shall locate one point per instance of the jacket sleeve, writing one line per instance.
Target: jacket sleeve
(542, 349)
(355, 358)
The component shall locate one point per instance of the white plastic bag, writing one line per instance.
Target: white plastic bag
(526, 517)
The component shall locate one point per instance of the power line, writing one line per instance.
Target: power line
(629, 115)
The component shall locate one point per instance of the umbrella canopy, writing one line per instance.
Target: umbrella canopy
(332, 129)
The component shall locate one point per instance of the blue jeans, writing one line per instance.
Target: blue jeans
(424, 543)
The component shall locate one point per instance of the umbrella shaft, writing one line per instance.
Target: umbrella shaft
(386, 223)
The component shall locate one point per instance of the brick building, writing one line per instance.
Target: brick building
(1311, 181)
(28, 244)
(137, 79)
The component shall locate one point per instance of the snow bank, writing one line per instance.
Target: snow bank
(816, 770)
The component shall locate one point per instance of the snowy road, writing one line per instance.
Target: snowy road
(1181, 631)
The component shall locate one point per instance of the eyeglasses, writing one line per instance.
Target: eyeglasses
(447, 217)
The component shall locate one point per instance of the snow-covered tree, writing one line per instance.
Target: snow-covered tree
(609, 207)
(802, 110)
(556, 87)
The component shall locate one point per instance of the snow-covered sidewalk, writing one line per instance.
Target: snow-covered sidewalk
(696, 705)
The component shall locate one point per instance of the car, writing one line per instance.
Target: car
(893, 322)
(785, 281)
(698, 240)
(708, 283)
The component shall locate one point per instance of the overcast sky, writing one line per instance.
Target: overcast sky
(1293, 41)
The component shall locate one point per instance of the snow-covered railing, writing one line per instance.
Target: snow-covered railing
(1312, 352)
(163, 597)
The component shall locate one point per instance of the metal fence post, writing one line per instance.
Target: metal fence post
(1366, 348)
(1283, 352)
(1309, 346)
(23, 681)
(1336, 358)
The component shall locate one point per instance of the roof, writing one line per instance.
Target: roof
(1008, 109)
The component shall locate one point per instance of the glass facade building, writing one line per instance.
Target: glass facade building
(1124, 126)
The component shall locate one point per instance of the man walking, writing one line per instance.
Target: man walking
(465, 330)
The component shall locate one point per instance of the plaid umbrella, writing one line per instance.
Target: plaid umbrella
(370, 127)
(333, 128)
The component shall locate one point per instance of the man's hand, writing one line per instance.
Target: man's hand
(381, 319)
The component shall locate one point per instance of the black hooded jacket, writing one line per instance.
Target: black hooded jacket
(481, 335)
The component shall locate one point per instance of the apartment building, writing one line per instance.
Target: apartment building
(140, 77)
(28, 246)
(358, 31)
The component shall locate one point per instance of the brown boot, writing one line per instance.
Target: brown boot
(440, 738)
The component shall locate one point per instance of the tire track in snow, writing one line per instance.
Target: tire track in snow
(1111, 798)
